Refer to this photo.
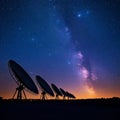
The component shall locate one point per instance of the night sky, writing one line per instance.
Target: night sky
(74, 44)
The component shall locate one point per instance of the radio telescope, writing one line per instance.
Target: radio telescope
(44, 87)
(22, 79)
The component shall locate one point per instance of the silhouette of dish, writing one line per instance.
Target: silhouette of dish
(44, 86)
(21, 77)
(72, 96)
(69, 95)
(63, 92)
(56, 90)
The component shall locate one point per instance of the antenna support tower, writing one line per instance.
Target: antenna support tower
(19, 92)
(44, 87)
(57, 96)
(43, 95)
(22, 79)
(56, 90)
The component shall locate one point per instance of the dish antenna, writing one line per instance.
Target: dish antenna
(69, 95)
(22, 79)
(44, 87)
(63, 92)
(56, 90)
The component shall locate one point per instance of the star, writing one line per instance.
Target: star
(33, 39)
(69, 63)
(66, 29)
(83, 13)
(79, 15)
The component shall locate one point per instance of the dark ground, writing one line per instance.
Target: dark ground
(90, 109)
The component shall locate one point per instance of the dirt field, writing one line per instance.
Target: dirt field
(97, 109)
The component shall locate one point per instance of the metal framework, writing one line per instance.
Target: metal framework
(19, 92)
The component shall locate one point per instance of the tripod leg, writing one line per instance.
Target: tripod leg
(42, 96)
(14, 94)
(45, 96)
(57, 97)
(18, 94)
(24, 94)
(63, 97)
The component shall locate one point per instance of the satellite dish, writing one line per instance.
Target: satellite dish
(45, 87)
(72, 96)
(22, 78)
(56, 90)
(63, 92)
(69, 95)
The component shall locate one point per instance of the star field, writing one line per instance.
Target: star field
(74, 44)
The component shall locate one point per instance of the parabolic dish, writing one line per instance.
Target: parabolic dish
(56, 90)
(70, 95)
(63, 92)
(21, 76)
(44, 85)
